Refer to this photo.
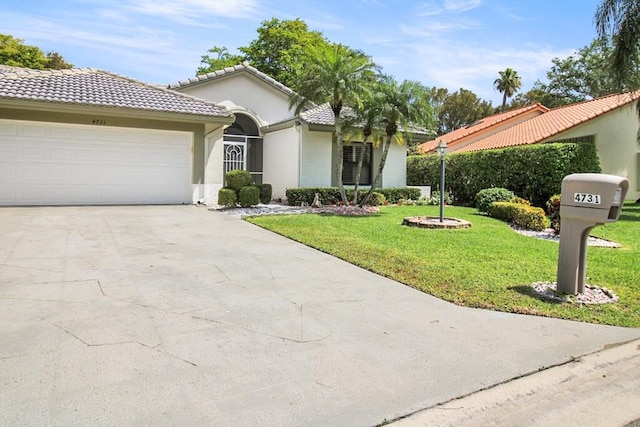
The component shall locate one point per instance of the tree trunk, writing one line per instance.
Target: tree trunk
(376, 180)
(340, 160)
(363, 155)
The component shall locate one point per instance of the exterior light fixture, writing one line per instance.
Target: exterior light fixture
(441, 149)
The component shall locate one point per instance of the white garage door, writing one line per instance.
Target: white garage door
(61, 164)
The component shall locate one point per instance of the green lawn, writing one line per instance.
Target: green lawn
(487, 265)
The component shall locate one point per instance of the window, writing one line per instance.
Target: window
(351, 156)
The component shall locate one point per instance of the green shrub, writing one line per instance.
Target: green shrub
(227, 197)
(504, 211)
(553, 209)
(249, 196)
(237, 179)
(530, 217)
(519, 214)
(485, 197)
(266, 193)
(331, 195)
(534, 172)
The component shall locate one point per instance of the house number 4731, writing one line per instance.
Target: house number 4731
(99, 122)
(591, 199)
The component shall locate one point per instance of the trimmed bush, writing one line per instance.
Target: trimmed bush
(519, 214)
(249, 196)
(227, 197)
(534, 172)
(266, 193)
(530, 217)
(331, 195)
(553, 209)
(485, 197)
(504, 211)
(237, 179)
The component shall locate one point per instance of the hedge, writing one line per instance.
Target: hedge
(331, 195)
(534, 172)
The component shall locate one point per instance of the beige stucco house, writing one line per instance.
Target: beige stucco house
(611, 123)
(85, 137)
(277, 147)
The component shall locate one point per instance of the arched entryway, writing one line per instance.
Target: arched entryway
(243, 147)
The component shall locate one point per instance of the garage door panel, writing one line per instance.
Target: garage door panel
(8, 129)
(7, 194)
(59, 174)
(54, 164)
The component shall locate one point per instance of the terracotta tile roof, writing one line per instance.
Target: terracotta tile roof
(483, 126)
(552, 123)
(91, 87)
(240, 68)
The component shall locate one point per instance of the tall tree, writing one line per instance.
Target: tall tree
(400, 107)
(508, 84)
(620, 21)
(15, 53)
(280, 46)
(585, 75)
(222, 59)
(338, 75)
(461, 108)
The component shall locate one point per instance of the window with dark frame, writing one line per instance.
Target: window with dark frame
(351, 156)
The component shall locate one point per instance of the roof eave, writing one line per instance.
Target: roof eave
(75, 108)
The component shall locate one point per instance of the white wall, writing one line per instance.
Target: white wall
(213, 170)
(242, 89)
(395, 169)
(281, 159)
(616, 141)
(316, 159)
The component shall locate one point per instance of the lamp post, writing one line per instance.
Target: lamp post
(441, 149)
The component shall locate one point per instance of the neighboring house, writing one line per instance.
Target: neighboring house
(274, 145)
(611, 123)
(85, 137)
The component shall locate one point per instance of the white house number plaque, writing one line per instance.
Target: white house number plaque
(590, 199)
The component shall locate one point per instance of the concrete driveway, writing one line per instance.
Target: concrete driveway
(177, 315)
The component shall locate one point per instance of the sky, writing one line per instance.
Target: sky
(443, 43)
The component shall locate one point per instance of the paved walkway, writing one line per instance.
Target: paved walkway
(176, 315)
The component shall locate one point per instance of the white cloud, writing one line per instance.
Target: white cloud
(447, 7)
(460, 5)
(190, 10)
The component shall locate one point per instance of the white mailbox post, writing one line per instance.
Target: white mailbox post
(588, 199)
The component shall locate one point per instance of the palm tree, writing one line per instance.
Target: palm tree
(620, 20)
(365, 125)
(398, 107)
(508, 84)
(340, 76)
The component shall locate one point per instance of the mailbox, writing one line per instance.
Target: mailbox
(588, 200)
